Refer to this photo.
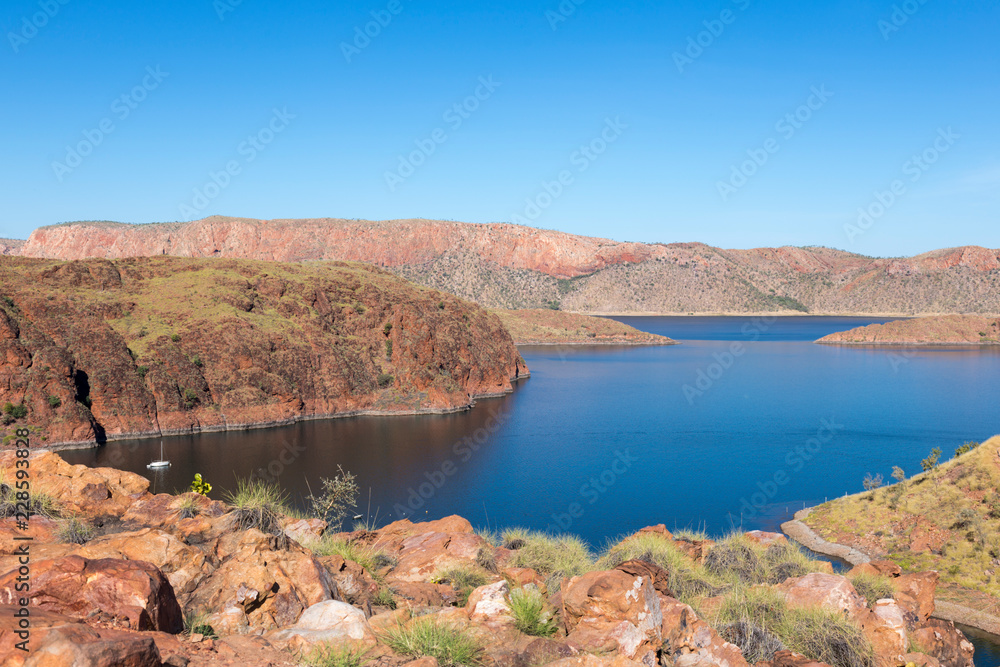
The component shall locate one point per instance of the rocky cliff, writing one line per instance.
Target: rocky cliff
(101, 349)
(10, 246)
(514, 267)
(941, 330)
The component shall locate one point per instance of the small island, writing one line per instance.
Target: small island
(555, 327)
(935, 330)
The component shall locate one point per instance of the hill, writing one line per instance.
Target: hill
(514, 267)
(101, 349)
(939, 330)
(554, 327)
(946, 519)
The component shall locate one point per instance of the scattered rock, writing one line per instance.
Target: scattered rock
(827, 591)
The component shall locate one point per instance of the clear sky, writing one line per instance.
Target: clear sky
(116, 110)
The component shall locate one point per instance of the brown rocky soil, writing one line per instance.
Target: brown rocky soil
(509, 266)
(555, 327)
(939, 330)
(102, 349)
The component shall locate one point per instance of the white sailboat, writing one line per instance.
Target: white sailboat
(162, 463)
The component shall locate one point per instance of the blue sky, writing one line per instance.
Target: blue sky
(307, 127)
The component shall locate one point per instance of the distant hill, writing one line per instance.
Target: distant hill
(554, 327)
(514, 267)
(937, 330)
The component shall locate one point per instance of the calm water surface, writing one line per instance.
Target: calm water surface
(741, 425)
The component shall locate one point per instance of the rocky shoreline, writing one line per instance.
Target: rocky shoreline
(936, 331)
(120, 576)
(797, 530)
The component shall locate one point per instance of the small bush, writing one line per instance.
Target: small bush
(967, 447)
(486, 558)
(514, 538)
(760, 607)
(258, 505)
(554, 557)
(687, 580)
(873, 587)
(74, 531)
(384, 598)
(463, 579)
(530, 615)
(19, 411)
(427, 637)
(142, 371)
(331, 655)
(196, 623)
(54, 402)
(387, 328)
(200, 486)
(196, 360)
(175, 337)
(385, 379)
(388, 349)
(339, 495)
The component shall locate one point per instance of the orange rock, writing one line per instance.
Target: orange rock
(612, 609)
(764, 538)
(62, 641)
(131, 591)
(424, 554)
(915, 593)
(688, 641)
(945, 642)
(826, 591)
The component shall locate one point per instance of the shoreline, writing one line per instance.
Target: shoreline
(782, 313)
(592, 343)
(256, 426)
(946, 610)
(857, 343)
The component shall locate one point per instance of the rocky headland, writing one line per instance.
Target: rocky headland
(946, 519)
(938, 330)
(514, 267)
(120, 576)
(103, 349)
(556, 327)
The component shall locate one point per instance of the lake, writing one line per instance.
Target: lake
(741, 425)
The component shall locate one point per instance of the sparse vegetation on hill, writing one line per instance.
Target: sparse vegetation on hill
(937, 330)
(946, 518)
(549, 327)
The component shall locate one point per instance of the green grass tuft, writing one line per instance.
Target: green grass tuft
(873, 587)
(259, 505)
(463, 579)
(428, 637)
(530, 615)
(331, 655)
(554, 557)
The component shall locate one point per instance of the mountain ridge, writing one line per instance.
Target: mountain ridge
(501, 265)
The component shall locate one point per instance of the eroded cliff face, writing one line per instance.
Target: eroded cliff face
(108, 349)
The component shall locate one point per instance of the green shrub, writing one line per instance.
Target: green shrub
(337, 497)
(258, 505)
(758, 606)
(739, 560)
(54, 402)
(554, 557)
(384, 598)
(19, 411)
(687, 580)
(196, 360)
(427, 637)
(368, 556)
(873, 587)
(385, 379)
(200, 486)
(332, 655)
(175, 337)
(530, 615)
(388, 349)
(188, 506)
(74, 531)
(387, 328)
(463, 579)
(967, 447)
(196, 623)
(143, 371)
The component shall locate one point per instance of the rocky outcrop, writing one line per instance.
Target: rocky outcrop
(938, 330)
(510, 266)
(97, 350)
(11, 246)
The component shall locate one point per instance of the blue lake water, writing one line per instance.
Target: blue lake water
(739, 426)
